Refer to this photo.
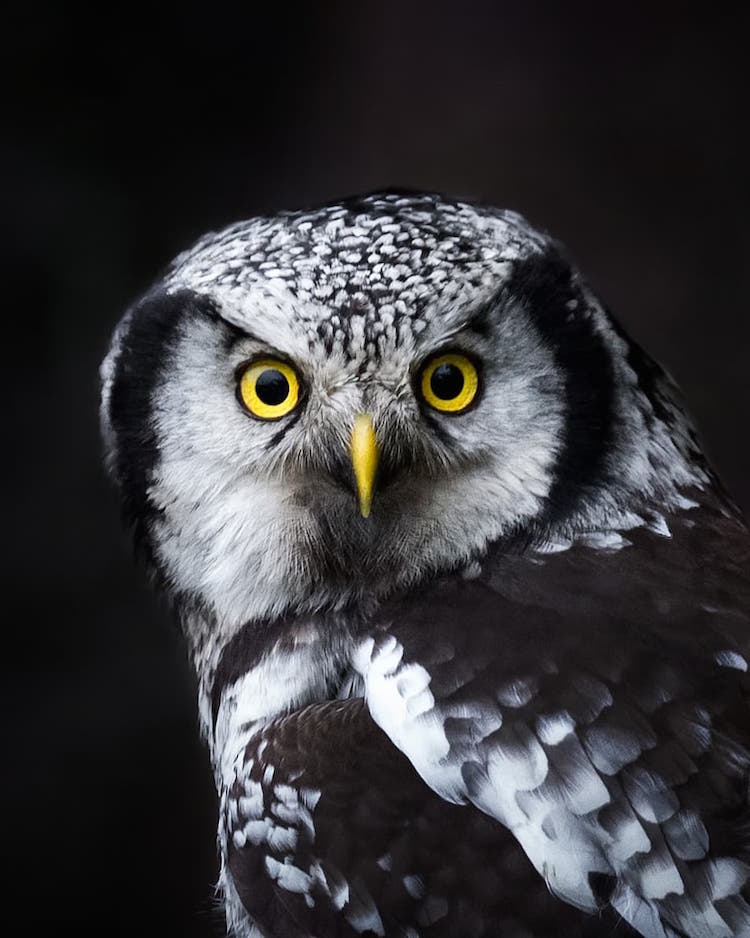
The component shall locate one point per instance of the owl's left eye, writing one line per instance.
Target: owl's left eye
(269, 388)
(449, 382)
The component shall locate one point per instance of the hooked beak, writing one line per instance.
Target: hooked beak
(364, 452)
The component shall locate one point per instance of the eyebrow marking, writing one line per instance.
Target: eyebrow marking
(479, 321)
(237, 334)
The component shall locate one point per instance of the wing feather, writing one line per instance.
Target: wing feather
(595, 703)
(329, 831)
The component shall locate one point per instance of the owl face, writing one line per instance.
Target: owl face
(317, 409)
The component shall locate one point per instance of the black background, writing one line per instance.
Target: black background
(125, 140)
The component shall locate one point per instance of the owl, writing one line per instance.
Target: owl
(469, 610)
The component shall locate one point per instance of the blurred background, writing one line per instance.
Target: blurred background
(623, 135)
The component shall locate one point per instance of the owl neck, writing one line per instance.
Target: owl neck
(264, 670)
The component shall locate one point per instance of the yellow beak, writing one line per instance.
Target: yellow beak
(364, 453)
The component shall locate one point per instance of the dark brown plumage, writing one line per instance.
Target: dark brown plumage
(629, 643)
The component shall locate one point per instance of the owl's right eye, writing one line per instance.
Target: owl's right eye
(268, 388)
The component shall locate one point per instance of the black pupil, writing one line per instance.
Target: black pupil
(447, 382)
(272, 387)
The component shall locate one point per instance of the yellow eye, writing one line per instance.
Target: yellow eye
(269, 389)
(449, 382)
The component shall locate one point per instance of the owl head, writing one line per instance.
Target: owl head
(315, 409)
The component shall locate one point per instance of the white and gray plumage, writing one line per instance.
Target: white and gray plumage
(513, 700)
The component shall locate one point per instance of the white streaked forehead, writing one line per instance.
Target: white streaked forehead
(360, 277)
